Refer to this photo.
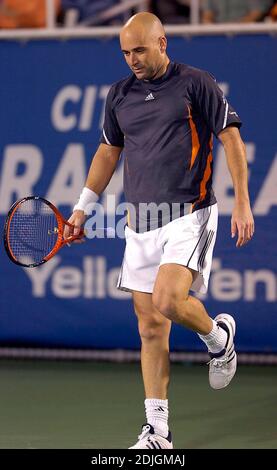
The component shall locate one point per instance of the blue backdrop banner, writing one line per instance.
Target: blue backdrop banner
(52, 102)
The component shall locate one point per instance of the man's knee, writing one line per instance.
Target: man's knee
(152, 324)
(168, 303)
(171, 291)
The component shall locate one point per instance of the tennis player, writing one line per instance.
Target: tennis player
(163, 118)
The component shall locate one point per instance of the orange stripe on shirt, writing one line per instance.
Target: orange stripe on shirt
(207, 173)
(206, 176)
(128, 218)
(195, 145)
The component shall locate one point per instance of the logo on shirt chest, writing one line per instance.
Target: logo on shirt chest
(149, 97)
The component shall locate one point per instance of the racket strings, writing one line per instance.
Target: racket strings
(33, 231)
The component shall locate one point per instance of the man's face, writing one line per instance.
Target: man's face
(143, 55)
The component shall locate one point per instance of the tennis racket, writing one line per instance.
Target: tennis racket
(34, 231)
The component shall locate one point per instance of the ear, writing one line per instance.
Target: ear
(163, 43)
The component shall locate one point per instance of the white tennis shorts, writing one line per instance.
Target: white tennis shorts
(188, 240)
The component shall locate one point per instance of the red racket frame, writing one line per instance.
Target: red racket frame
(61, 222)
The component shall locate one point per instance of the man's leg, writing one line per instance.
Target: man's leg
(154, 330)
(171, 298)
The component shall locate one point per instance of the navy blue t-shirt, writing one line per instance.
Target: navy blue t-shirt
(165, 127)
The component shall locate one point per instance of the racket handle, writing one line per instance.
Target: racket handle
(72, 226)
(82, 233)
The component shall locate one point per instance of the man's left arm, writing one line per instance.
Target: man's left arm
(242, 221)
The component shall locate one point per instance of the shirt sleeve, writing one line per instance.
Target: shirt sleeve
(111, 133)
(211, 103)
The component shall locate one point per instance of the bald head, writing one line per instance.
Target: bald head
(144, 24)
(143, 43)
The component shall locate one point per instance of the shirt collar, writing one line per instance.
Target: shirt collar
(163, 78)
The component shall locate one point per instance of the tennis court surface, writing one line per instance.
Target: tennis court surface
(87, 405)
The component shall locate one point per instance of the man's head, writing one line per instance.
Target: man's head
(143, 44)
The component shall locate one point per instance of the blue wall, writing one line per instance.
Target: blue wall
(52, 99)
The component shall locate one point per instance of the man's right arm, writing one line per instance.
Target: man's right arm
(101, 170)
(102, 167)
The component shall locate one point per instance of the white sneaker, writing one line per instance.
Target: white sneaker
(148, 439)
(223, 365)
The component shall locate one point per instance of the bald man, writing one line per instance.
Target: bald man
(162, 118)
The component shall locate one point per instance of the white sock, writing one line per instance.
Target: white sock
(157, 415)
(216, 339)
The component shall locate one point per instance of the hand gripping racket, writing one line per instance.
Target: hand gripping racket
(34, 231)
